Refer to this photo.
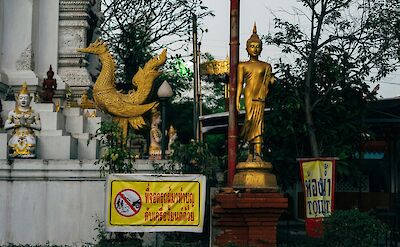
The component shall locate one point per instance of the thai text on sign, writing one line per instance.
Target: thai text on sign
(149, 203)
(318, 183)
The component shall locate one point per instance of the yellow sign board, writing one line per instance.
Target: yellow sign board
(318, 182)
(149, 203)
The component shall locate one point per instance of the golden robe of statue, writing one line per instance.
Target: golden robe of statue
(257, 76)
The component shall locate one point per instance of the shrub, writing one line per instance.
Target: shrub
(353, 228)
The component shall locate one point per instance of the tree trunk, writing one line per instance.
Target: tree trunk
(308, 109)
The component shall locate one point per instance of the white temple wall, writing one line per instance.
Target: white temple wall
(16, 48)
(54, 202)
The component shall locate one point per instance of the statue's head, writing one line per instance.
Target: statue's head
(97, 47)
(24, 99)
(155, 116)
(171, 131)
(254, 44)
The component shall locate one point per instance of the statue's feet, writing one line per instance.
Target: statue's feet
(257, 158)
(249, 158)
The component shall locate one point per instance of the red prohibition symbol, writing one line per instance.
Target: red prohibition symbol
(127, 202)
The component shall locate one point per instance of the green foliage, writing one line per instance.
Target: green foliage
(320, 99)
(110, 239)
(196, 157)
(136, 30)
(118, 157)
(352, 228)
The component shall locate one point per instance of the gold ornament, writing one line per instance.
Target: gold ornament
(24, 89)
(125, 108)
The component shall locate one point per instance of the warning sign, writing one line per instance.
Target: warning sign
(127, 202)
(150, 203)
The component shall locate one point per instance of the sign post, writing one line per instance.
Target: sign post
(318, 179)
(155, 203)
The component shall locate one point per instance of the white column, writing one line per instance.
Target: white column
(73, 27)
(16, 48)
(1, 32)
(45, 38)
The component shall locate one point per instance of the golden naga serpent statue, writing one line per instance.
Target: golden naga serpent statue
(125, 108)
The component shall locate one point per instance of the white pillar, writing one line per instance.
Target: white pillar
(45, 38)
(16, 48)
(73, 27)
(1, 32)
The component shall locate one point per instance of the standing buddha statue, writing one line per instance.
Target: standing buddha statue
(257, 76)
(23, 120)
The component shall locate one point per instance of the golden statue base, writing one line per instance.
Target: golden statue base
(254, 174)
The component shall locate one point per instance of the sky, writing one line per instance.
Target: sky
(216, 40)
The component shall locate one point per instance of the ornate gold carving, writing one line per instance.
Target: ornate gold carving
(125, 108)
(215, 67)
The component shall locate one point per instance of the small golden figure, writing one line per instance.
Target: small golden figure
(23, 120)
(86, 103)
(172, 136)
(68, 97)
(257, 76)
(58, 105)
(155, 135)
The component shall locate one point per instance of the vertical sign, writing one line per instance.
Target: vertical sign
(318, 178)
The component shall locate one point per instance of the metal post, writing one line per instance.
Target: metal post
(163, 124)
(199, 95)
(196, 77)
(234, 61)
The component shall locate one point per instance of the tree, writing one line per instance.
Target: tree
(346, 41)
(137, 29)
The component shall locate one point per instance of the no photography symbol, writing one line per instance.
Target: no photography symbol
(127, 202)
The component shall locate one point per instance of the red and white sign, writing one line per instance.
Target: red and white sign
(127, 203)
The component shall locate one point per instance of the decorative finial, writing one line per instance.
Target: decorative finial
(24, 89)
(254, 28)
(254, 36)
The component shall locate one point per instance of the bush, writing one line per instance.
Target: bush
(353, 228)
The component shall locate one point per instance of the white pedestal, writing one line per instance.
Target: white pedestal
(87, 151)
(57, 147)
(75, 124)
(43, 107)
(3, 145)
(52, 120)
(72, 111)
(92, 124)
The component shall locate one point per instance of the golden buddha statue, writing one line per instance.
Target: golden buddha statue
(23, 120)
(257, 77)
(155, 135)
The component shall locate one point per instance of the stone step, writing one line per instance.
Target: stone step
(52, 120)
(57, 147)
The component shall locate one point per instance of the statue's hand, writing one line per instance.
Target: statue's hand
(238, 106)
(22, 121)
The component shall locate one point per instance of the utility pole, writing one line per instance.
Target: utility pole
(199, 93)
(234, 61)
(197, 108)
